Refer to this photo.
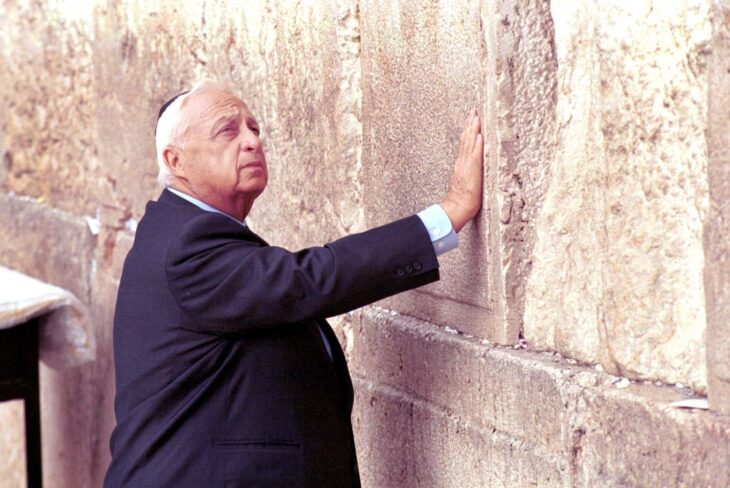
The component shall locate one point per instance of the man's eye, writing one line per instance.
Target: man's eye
(255, 130)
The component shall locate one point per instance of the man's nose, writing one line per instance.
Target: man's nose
(251, 140)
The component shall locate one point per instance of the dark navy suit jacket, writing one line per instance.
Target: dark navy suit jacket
(222, 376)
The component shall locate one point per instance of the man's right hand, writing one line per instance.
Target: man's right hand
(464, 198)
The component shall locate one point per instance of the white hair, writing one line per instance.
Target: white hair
(173, 124)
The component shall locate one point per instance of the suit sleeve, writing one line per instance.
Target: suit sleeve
(226, 282)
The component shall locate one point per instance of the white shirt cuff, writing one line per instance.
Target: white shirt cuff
(442, 233)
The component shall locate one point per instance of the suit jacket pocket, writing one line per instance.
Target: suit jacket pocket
(265, 464)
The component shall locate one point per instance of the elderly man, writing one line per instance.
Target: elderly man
(227, 373)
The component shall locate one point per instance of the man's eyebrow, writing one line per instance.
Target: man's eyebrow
(228, 117)
(250, 119)
(224, 119)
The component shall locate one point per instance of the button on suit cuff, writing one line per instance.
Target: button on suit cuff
(442, 233)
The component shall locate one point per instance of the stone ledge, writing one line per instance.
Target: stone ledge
(464, 376)
(606, 435)
(404, 442)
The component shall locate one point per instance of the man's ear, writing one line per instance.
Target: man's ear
(174, 161)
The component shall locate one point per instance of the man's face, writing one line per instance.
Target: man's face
(223, 157)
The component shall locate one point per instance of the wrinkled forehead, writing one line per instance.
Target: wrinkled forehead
(204, 108)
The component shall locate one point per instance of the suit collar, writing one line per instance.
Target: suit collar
(169, 198)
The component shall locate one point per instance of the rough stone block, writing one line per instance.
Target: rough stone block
(424, 68)
(717, 225)
(480, 384)
(12, 445)
(617, 265)
(581, 427)
(418, 83)
(383, 438)
(100, 374)
(405, 442)
(47, 244)
(76, 404)
(48, 122)
(522, 141)
(632, 438)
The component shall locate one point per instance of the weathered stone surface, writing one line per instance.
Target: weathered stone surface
(522, 130)
(617, 265)
(463, 377)
(100, 374)
(530, 417)
(77, 403)
(595, 195)
(47, 92)
(12, 444)
(424, 68)
(631, 437)
(76, 443)
(500, 58)
(48, 244)
(402, 442)
(717, 226)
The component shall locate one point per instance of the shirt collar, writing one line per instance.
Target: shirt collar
(202, 205)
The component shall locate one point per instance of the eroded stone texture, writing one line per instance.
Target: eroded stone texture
(522, 132)
(423, 66)
(439, 409)
(12, 442)
(594, 116)
(632, 437)
(58, 248)
(458, 376)
(47, 92)
(617, 268)
(402, 442)
(47, 244)
(717, 227)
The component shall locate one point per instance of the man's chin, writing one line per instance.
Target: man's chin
(253, 191)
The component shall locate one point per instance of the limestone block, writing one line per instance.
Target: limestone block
(523, 102)
(403, 442)
(425, 399)
(312, 109)
(100, 374)
(481, 383)
(424, 67)
(632, 438)
(48, 100)
(12, 445)
(46, 243)
(77, 408)
(375, 418)
(77, 404)
(617, 265)
(717, 226)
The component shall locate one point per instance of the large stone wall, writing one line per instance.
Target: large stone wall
(589, 246)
